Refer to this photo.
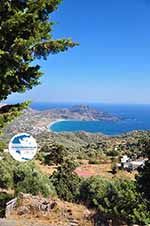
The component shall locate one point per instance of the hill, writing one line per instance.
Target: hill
(36, 122)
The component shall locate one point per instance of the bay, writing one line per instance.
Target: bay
(135, 117)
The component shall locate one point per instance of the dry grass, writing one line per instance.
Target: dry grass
(104, 170)
(48, 170)
(87, 170)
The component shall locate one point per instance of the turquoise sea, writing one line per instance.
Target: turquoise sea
(134, 117)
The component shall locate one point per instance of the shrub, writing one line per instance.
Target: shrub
(66, 182)
(7, 165)
(113, 153)
(116, 200)
(28, 179)
(143, 179)
(53, 154)
(94, 161)
(4, 198)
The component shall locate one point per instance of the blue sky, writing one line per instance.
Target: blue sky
(112, 63)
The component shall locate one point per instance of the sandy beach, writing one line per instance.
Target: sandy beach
(53, 122)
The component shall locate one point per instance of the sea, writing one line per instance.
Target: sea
(133, 117)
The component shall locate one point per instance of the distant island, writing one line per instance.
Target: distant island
(35, 122)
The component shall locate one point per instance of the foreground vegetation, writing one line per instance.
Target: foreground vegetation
(119, 200)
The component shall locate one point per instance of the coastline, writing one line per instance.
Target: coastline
(111, 132)
(53, 122)
(62, 120)
(59, 120)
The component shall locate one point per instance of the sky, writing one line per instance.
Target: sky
(112, 62)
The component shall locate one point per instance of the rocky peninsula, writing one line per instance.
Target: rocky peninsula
(35, 122)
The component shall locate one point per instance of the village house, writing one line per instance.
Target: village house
(128, 164)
